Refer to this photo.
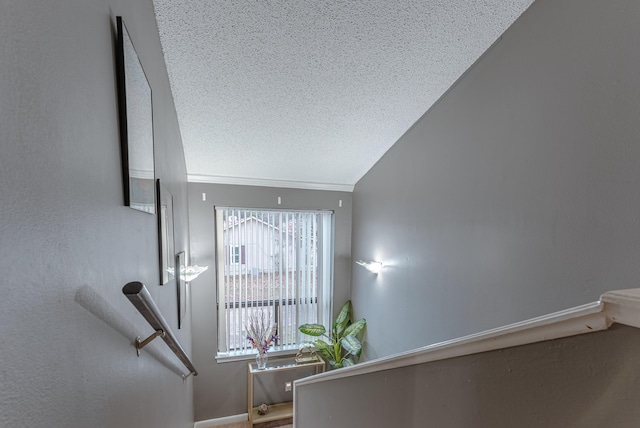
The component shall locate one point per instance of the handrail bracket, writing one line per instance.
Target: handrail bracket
(141, 344)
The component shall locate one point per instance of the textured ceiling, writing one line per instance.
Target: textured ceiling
(313, 93)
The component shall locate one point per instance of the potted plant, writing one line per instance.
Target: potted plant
(343, 343)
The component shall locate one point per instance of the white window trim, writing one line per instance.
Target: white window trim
(324, 308)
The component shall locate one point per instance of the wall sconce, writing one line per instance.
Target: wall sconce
(189, 273)
(192, 272)
(372, 265)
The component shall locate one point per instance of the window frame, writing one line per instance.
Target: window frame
(323, 298)
(236, 255)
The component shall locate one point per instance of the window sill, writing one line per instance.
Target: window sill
(251, 355)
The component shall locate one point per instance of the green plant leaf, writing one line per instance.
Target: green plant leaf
(355, 328)
(351, 344)
(321, 345)
(348, 362)
(334, 365)
(312, 329)
(343, 318)
(325, 349)
(359, 352)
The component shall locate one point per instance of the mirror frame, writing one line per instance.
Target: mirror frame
(136, 125)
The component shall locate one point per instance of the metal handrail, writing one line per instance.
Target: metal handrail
(139, 296)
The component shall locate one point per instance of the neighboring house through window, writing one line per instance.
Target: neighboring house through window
(274, 261)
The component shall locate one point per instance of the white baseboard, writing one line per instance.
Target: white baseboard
(222, 421)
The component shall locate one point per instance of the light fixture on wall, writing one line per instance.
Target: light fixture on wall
(371, 265)
(192, 272)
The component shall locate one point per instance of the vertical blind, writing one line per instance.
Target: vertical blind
(277, 262)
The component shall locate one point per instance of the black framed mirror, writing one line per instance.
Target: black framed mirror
(136, 125)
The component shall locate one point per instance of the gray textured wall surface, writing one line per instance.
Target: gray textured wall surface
(221, 388)
(582, 381)
(68, 243)
(517, 194)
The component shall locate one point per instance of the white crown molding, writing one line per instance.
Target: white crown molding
(244, 181)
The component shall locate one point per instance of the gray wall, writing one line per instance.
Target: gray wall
(68, 244)
(517, 194)
(221, 388)
(581, 381)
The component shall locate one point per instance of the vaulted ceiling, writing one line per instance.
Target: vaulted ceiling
(311, 94)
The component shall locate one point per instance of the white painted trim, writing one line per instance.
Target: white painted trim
(222, 421)
(579, 320)
(622, 307)
(251, 355)
(246, 181)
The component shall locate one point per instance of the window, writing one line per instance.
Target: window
(234, 254)
(273, 261)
